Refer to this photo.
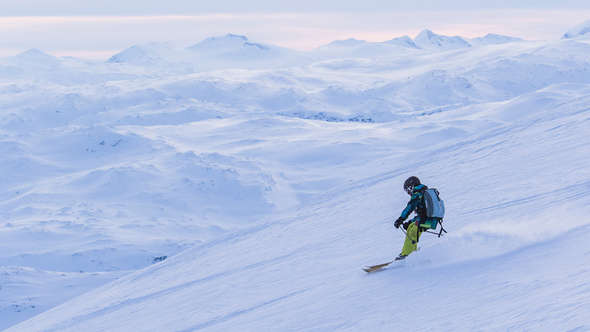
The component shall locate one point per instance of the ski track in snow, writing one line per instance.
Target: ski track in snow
(234, 314)
(240, 186)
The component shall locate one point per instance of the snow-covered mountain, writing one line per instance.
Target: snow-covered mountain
(238, 50)
(152, 193)
(425, 43)
(351, 42)
(229, 51)
(29, 61)
(580, 30)
(36, 57)
(230, 45)
(402, 41)
(148, 54)
(492, 38)
(359, 48)
(430, 40)
(425, 40)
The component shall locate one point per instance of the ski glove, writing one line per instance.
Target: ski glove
(398, 222)
(407, 224)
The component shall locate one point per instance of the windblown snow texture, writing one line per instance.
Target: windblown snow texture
(238, 186)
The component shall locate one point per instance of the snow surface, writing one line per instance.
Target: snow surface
(231, 187)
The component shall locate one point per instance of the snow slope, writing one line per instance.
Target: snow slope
(510, 261)
(248, 198)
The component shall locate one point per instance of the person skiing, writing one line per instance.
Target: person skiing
(420, 222)
(430, 211)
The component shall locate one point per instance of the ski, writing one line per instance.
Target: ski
(377, 267)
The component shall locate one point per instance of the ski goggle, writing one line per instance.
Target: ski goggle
(409, 190)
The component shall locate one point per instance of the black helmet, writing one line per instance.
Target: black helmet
(410, 183)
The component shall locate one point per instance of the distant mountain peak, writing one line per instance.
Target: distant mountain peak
(34, 53)
(427, 39)
(347, 42)
(492, 39)
(427, 32)
(404, 41)
(227, 43)
(578, 30)
(228, 37)
(37, 57)
(231, 35)
(141, 54)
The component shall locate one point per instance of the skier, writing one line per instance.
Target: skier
(420, 222)
(430, 211)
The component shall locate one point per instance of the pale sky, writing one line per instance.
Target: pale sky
(98, 29)
(159, 7)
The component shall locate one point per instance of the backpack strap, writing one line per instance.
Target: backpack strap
(440, 233)
(442, 229)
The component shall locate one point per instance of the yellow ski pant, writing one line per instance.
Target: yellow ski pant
(412, 236)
